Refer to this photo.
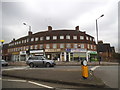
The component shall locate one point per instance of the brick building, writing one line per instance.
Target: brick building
(105, 50)
(64, 45)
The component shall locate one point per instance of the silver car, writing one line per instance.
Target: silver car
(39, 61)
(3, 63)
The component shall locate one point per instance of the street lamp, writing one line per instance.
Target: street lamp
(97, 37)
(27, 25)
(28, 51)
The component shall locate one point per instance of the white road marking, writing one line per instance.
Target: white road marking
(16, 68)
(40, 84)
(93, 68)
(31, 82)
(14, 80)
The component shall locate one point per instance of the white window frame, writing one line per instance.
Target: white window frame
(81, 37)
(54, 37)
(82, 46)
(67, 36)
(36, 39)
(87, 38)
(75, 45)
(62, 45)
(41, 46)
(62, 37)
(32, 39)
(75, 37)
(68, 45)
(47, 37)
(54, 46)
(47, 46)
(41, 38)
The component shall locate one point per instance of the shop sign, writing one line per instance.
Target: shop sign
(53, 50)
(22, 52)
(92, 52)
(15, 53)
(37, 51)
(78, 50)
(68, 50)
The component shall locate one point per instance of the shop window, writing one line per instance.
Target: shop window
(54, 37)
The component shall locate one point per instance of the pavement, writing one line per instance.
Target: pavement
(61, 76)
(71, 63)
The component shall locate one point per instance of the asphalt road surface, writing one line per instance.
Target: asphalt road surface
(10, 82)
(109, 75)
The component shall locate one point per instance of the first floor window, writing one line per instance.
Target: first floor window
(61, 45)
(54, 45)
(75, 46)
(68, 45)
(41, 46)
(47, 46)
(82, 45)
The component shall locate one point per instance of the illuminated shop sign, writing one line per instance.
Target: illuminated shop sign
(78, 50)
(53, 50)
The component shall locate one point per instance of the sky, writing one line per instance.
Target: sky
(60, 14)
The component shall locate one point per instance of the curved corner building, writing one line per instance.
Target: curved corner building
(63, 45)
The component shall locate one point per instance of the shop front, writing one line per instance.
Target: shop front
(15, 56)
(92, 56)
(76, 54)
(54, 54)
(22, 56)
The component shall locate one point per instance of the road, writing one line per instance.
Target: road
(10, 82)
(109, 75)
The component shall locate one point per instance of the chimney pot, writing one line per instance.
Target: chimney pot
(77, 28)
(49, 28)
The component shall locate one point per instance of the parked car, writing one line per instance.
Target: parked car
(39, 61)
(3, 63)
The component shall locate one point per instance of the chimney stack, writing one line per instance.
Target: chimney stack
(77, 28)
(49, 28)
(29, 33)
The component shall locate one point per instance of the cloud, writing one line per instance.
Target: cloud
(60, 14)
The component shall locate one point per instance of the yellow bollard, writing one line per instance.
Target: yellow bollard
(84, 69)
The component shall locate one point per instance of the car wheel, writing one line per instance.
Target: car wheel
(48, 65)
(31, 65)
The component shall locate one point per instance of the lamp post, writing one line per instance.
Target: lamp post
(2, 41)
(97, 37)
(28, 51)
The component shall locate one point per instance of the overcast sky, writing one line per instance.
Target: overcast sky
(60, 14)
